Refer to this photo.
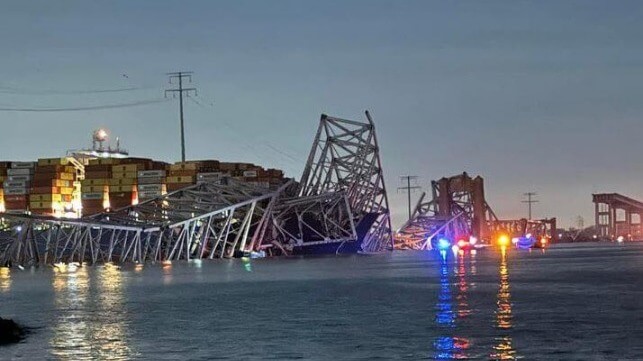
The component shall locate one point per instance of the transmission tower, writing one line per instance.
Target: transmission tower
(408, 188)
(179, 76)
(530, 201)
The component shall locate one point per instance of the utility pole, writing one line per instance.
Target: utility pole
(408, 188)
(530, 201)
(179, 76)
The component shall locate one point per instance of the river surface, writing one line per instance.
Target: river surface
(570, 302)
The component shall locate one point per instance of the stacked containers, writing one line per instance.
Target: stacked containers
(3, 177)
(185, 174)
(52, 187)
(181, 175)
(16, 186)
(115, 183)
(151, 183)
(209, 171)
(122, 185)
(95, 186)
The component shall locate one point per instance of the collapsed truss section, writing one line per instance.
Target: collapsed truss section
(458, 209)
(204, 221)
(345, 159)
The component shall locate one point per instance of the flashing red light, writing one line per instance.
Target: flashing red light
(462, 243)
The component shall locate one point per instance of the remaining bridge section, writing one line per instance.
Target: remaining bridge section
(458, 210)
(617, 216)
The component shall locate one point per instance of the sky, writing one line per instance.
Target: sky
(541, 96)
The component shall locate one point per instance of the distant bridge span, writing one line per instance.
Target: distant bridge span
(617, 216)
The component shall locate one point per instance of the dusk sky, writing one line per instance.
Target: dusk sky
(540, 96)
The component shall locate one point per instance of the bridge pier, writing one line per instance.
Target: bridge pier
(608, 207)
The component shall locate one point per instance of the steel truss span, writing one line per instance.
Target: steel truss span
(345, 159)
(204, 221)
(340, 202)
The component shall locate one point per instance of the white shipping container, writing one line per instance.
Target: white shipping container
(150, 187)
(210, 175)
(250, 173)
(20, 171)
(149, 194)
(92, 196)
(17, 165)
(151, 173)
(16, 184)
(19, 178)
(15, 191)
(261, 184)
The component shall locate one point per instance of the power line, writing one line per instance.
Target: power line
(180, 75)
(408, 188)
(12, 90)
(243, 138)
(530, 201)
(91, 107)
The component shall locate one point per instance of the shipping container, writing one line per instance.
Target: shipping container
(94, 182)
(151, 180)
(92, 196)
(183, 166)
(122, 181)
(92, 189)
(102, 161)
(18, 165)
(126, 168)
(149, 194)
(15, 191)
(52, 161)
(97, 174)
(16, 184)
(20, 171)
(44, 190)
(182, 173)
(181, 179)
(46, 198)
(227, 166)
(119, 189)
(150, 187)
(151, 173)
(124, 175)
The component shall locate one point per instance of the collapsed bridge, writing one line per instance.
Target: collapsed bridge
(339, 205)
(458, 210)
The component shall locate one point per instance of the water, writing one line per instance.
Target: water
(569, 303)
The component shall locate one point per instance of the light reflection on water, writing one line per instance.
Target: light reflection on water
(91, 322)
(450, 346)
(5, 279)
(504, 349)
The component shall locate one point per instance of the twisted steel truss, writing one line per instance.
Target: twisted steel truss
(458, 209)
(341, 198)
(204, 221)
(345, 159)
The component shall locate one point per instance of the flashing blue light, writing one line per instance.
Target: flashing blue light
(525, 242)
(444, 244)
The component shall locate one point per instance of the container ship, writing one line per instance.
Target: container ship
(99, 179)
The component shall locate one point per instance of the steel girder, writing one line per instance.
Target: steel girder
(310, 220)
(345, 159)
(209, 220)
